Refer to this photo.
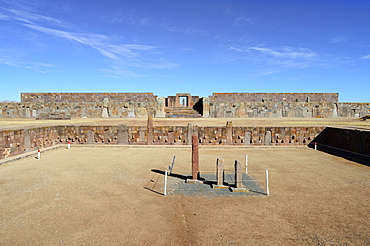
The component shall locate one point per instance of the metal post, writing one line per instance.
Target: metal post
(267, 183)
(39, 154)
(165, 183)
(69, 145)
(315, 146)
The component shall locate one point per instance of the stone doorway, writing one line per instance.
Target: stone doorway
(183, 100)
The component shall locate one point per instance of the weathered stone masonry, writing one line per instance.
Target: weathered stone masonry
(136, 105)
(13, 142)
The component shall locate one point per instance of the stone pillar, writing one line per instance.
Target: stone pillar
(268, 138)
(150, 130)
(28, 113)
(171, 137)
(335, 110)
(195, 158)
(90, 137)
(122, 134)
(247, 138)
(105, 113)
(229, 132)
(27, 140)
(131, 111)
(190, 133)
(142, 137)
(238, 175)
(205, 107)
(160, 107)
(34, 113)
(220, 172)
(195, 130)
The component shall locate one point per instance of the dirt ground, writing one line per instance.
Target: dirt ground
(97, 196)
(20, 123)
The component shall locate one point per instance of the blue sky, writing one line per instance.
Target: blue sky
(173, 46)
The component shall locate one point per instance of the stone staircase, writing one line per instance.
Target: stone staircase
(182, 112)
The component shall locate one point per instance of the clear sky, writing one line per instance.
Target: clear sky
(192, 46)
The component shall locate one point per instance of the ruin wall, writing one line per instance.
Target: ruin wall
(287, 109)
(274, 97)
(135, 105)
(14, 142)
(86, 97)
(60, 110)
(216, 109)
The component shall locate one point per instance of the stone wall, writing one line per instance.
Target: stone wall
(86, 97)
(229, 105)
(287, 109)
(77, 110)
(352, 144)
(274, 97)
(13, 142)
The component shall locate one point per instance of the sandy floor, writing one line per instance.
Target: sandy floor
(20, 123)
(97, 196)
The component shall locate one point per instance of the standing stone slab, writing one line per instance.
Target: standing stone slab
(205, 107)
(90, 137)
(105, 113)
(195, 158)
(247, 138)
(160, 107)
(220, 175)
(142, 134)
(238, 178)
(229, 132)
(190, 133)
(238, 175)
(268, 138)
(27, 140)
(220, 171)
(171, 137)
(28, 113)
(150, 130)
(34, 113)
(122, 134)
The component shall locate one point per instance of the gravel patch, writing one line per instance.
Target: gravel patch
(177, 185)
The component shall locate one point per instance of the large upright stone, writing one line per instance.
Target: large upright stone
(34, 113)
(238, 175)
(247, 138)
(206, 107)
(229, 132)
(122, 134)
(130, 110)
(142, 134)
(335, 110)
(195, 158)
(150, 130)
(238, 178)
(105, 113)
(190, 133)
(160, 107)
(27, 140)
(171, 137)
(268, 138)
(28, 113)
(90, 137)
(220, 171)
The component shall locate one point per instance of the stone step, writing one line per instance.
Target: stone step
(183, 116)
(181, 112)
